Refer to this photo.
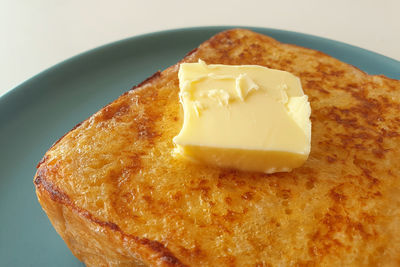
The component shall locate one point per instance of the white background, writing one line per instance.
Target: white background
(36, 34)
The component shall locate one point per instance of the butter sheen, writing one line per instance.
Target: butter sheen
(245, 117)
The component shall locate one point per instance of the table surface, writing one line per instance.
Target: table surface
(38, 34)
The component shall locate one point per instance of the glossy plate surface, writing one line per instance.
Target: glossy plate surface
(39, 111)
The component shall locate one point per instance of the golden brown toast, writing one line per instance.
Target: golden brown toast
(117, 196)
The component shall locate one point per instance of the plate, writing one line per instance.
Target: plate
(42, 109)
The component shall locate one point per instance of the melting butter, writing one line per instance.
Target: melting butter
(246, 117)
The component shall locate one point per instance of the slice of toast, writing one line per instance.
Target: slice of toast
(117, 196)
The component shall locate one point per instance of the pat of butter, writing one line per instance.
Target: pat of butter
(246, 117)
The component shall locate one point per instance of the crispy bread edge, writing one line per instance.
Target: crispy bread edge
(147, 80)
(46, 191)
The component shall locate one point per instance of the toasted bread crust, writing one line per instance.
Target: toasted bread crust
(118, 197)
(48, 193)
(54, 201)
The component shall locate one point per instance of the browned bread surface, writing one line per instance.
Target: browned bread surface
(118, 197)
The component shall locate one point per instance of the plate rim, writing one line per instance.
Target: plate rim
(105, 46)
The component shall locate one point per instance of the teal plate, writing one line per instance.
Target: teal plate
(42, 109)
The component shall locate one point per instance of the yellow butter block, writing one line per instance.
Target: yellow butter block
(246, 117)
